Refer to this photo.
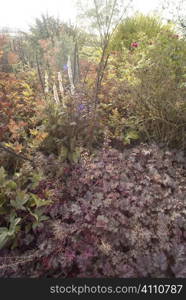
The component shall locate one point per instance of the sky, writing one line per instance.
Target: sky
(19, 14)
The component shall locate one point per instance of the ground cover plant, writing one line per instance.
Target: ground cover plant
(92, 148)
(107, 225)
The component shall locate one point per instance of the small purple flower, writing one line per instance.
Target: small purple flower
(65, 67)
(81, 107)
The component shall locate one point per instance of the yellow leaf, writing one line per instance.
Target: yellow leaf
(9, 145)
(34, 131)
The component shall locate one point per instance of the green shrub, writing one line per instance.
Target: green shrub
(159, 97)
(139, 28)
(20, 209)
(149, 81)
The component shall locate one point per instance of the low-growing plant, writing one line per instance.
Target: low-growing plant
(125, 208)
(21, 209)
(123, 215)
(119, 127)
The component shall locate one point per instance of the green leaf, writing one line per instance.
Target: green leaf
(40, 202)
(36, 177)
(2, 175)
(34, 214)
(63, 153)
(131, 135)
(13, 225)
(39, 216)
(76, 155)
(3, 230)
(20, 200)
(43, 218)
(2, 200)
(11, 185)
(3, 236)
(6, 234)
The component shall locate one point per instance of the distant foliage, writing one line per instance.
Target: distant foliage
(146, 79)
(8, 58)
(159, 96)
(137, 27)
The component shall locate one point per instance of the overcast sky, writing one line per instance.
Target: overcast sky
(21, 13)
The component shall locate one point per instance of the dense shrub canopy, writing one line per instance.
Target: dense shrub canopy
(142, 27)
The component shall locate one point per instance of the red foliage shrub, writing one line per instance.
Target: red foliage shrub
(18, 105)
